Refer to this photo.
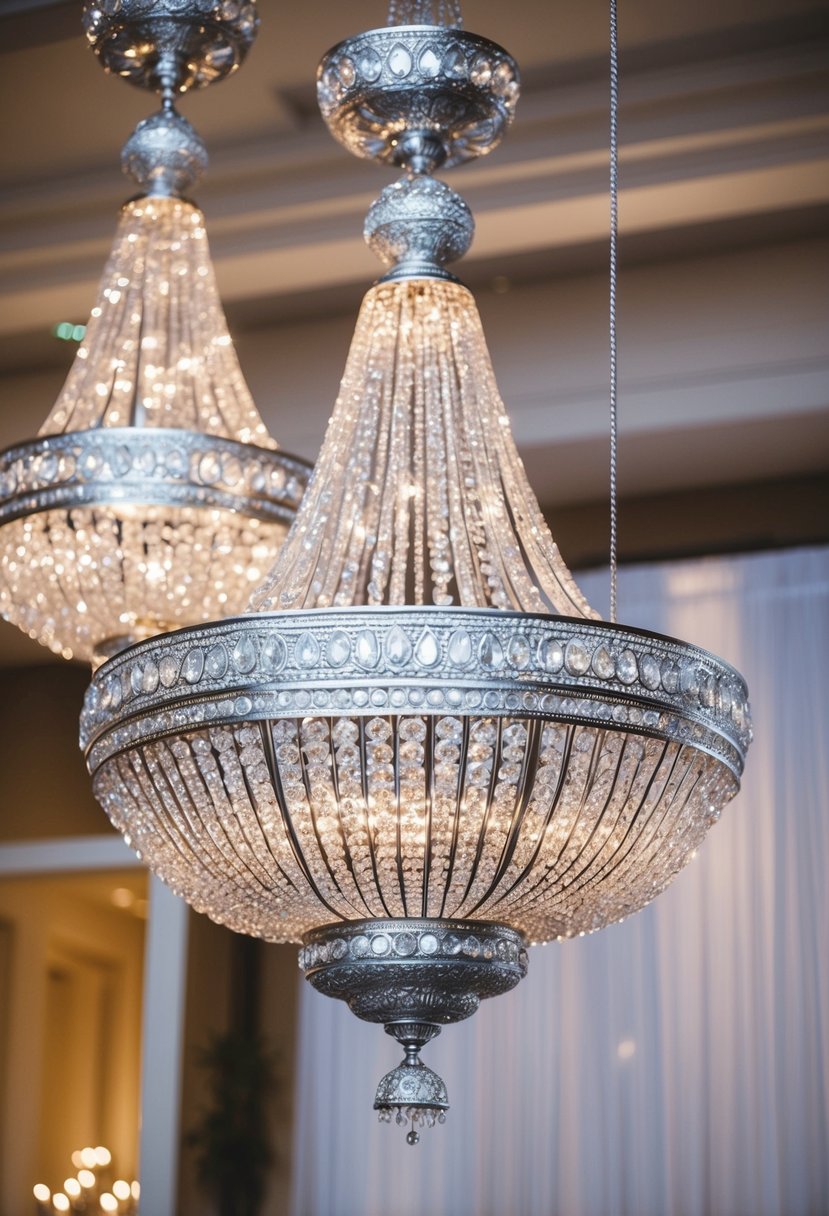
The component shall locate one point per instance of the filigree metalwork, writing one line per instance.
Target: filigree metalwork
(164, 155)
(414, 976)
(188, 43)
(380, 88)
(417, 226)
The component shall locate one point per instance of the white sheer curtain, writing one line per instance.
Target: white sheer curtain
(674, 1064)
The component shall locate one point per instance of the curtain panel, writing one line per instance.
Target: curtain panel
(677, 1063)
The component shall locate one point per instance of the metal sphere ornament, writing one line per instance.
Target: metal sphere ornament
(420, 751)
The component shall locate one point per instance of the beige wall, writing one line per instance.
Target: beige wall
(72, 1000)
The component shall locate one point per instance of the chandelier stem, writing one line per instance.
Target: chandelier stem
(614, 241)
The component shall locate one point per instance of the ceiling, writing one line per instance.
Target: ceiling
(725, 186)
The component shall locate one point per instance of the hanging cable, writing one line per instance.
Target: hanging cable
(614, 240)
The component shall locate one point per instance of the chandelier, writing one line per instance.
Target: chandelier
(153, 495)
(420, 751)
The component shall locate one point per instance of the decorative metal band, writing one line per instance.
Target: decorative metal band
(149, 466)
(205, 39)
(381, 85)
(414, 971)
(434, 661)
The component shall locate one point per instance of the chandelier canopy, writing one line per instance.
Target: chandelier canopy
(153, 495)
(421, 750)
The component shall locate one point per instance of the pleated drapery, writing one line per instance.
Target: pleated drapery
(673, 1065)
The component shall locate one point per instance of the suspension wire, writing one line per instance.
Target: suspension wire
(614, 242)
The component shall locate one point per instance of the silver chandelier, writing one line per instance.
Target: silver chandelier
(420, 751)
(153, 495)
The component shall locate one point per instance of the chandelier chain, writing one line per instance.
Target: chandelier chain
(614, 240)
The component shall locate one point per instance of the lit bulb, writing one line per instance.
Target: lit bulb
(87, 1179)
(42, 1193)
(88, 1158)
(121, 1189)
(72, 1187)
(102, 1155)
(135, 1190)
(60, 1202)
(108, 1202)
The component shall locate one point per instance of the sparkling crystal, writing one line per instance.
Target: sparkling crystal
(518, 652)
(460, 648)
(367, 648)
(338, 650)
(244, 656)
(306, 650)
(490, 651)
(603, 663)
(215, 664)
(193, 666)
(427, 650)
(398, 647)
(552, 655)
(627, 669)
(576, 657)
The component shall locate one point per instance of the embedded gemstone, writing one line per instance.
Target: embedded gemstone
(244, 656)
(649, 672)
(427, 650)
(429, 62)
(460, 648)
(193, 666)
(168, 671)
(307, 651)
(398, 647)
(627, 668)
(518, 652)
(551, 655)
(576, 657)
(216, 662)
(603, 663)
(400, 61)
(490, 651)
(367, 649)
(338, 650)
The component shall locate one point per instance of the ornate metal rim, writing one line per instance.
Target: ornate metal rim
(149, 466)
(206, 40)
(400, 941)
(409, 660)
(373, 87)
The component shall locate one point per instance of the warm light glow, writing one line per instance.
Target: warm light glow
(42, 1193)
(108, 1202)
(122, 897)
(87, 1179)
(60, 1202)
(72, 1187)
(102, 1155)
(88, 1158)
(121, 1189)
(135, 1190)
(71, 571)
(77, 1159)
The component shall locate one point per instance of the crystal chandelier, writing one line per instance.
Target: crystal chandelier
(421, 750)
(153, 496)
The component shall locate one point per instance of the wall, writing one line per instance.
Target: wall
(73, 1009)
